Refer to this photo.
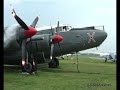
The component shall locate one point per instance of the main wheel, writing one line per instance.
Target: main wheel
(57, 62)
(54, 63)
(33, 62)
(28, 68)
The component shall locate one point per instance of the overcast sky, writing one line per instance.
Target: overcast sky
(77, 13)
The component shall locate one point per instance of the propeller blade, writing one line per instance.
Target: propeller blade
(52, 31)
(51, 52)
(35, 22)
(20, 21)
(58, 24)
(24, 52)
(58, 28)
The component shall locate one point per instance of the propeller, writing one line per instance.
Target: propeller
(28, 32)
(56, 38)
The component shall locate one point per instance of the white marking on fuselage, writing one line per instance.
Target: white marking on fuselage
(91, 37)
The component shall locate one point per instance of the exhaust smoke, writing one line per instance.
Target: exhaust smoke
(10, 34)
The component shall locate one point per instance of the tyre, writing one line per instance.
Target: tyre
(28, 68)
(54, 63)
(57, 62)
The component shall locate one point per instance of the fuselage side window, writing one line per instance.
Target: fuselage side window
(64, 28)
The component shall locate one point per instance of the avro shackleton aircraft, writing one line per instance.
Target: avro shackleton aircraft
(27, 45)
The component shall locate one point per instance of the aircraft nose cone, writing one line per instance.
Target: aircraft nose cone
(100, 37)
(105, 35)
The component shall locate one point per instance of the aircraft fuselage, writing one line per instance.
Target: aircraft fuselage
(74, 41)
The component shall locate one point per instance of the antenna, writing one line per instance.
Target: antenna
(103, 28)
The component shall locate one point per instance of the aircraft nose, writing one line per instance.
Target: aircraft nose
(101, 36)
(104, 35)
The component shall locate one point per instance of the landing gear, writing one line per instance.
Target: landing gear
(34, 66)
(54, 63)
(31, 67)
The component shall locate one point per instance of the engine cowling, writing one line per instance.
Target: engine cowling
(38, 43)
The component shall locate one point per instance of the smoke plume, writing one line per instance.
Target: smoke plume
(10, 34)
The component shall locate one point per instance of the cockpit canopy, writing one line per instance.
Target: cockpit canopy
(62, 28)
(65, 28)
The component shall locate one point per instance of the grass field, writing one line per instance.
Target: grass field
(93, 75)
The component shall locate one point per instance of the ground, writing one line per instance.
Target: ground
(93, 74)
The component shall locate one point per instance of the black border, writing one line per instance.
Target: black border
(118, 49)
(1, 44)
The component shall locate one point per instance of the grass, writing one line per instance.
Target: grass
(92, 75)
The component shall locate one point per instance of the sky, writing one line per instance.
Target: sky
(77, 13)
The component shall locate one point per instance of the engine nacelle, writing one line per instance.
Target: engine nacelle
(38, 43)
